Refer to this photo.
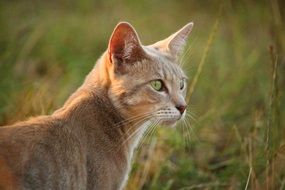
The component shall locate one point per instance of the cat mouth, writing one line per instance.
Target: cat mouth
(170, 122)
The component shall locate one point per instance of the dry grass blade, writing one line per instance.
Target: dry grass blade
(148, 163)
(271, 121)
(248, 178)
(204, 56)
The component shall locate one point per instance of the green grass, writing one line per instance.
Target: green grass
(236, 140)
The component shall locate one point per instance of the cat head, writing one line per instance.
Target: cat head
(146, 82)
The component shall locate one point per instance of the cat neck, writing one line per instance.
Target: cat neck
(91, 108)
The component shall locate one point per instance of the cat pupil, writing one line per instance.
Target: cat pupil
(181, 84)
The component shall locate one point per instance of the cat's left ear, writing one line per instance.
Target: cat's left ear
(175, 43)
(124, 46)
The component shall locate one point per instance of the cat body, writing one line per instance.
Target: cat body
(89, 142)
(43, 150)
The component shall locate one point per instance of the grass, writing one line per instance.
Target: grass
(203, 59)
(236, 70)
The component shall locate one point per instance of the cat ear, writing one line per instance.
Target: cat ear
(124, 45)
(175, 43)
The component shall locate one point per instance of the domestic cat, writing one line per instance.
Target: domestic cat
(89, 142)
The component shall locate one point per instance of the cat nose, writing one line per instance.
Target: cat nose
(181, 108)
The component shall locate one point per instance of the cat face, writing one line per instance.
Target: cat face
(147, 82)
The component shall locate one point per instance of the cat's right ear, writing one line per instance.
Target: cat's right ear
(175, 43)
(124, 46)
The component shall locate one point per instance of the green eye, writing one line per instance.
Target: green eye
(182, 83)
(157, 85)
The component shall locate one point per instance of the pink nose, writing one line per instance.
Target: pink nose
(181, 109)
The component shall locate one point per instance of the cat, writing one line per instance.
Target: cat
(89, 142)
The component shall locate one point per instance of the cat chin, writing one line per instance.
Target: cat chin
(169, 123)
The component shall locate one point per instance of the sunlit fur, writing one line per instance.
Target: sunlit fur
(89, 142)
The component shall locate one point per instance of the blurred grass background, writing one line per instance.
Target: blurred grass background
(236, 137)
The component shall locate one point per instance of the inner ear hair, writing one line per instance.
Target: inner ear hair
(124, 45)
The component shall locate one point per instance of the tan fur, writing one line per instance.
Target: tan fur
(7, 179)
(89, 142)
